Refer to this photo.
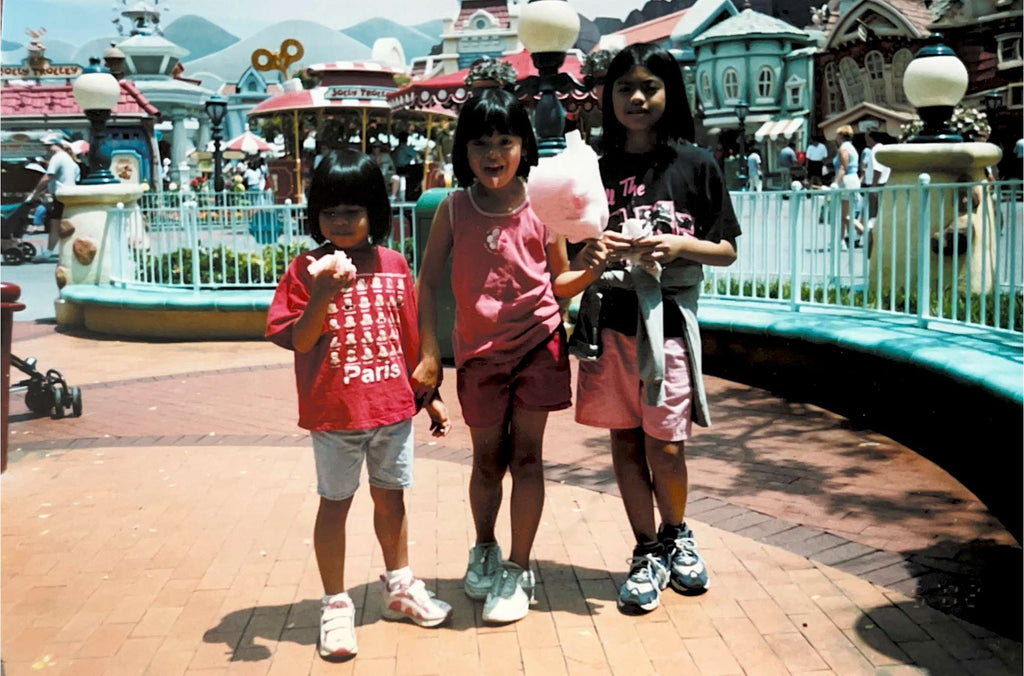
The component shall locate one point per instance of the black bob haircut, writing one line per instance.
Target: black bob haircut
(493, 111)
(676, 124)
(349, 177)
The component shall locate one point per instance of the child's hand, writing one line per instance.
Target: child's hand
(658, 248)
(594, 256)
(327, 281)
(618, 245)
(426, 378)
(440, 423)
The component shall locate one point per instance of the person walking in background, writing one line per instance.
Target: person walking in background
(817, 153)
(754, 180)
(512, 366)
(847, 167)
(637, 335)
(61, 171)
(787, 160)
(352, 326)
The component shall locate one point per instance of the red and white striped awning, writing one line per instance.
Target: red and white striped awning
(773, 129)
(451, 90)
(322, 98)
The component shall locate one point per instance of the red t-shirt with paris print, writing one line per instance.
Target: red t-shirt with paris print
(357, 375)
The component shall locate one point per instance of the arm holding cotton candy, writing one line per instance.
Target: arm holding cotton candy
(329, 275)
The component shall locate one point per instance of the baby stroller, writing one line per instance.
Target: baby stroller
(47, 393)
(14, 219)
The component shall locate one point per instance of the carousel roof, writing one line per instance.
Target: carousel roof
(451, 90)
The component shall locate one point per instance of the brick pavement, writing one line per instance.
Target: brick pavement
(821, 555)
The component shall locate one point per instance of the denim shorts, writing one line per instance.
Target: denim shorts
(339, 459)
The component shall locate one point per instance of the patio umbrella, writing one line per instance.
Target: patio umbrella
(248, 143)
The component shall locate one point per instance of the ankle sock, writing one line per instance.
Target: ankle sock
(394, 578)
(644, 548)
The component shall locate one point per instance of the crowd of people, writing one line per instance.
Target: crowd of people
(367, 351)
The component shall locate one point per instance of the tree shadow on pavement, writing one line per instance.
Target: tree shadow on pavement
(561, 587)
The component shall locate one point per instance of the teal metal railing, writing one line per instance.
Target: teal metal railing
(792, 251)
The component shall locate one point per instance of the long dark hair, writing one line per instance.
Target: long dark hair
(349, 177)
(676, 124)
(493, 111)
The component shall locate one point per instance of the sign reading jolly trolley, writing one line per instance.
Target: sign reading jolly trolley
(32, 70)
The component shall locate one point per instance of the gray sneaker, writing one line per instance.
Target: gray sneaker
(483, 569)
(511, 595)
(688, 573)
(641, 592)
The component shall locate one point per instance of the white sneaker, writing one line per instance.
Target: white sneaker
(412, 601)
(337, 640)
(511, 595)
(483, 569)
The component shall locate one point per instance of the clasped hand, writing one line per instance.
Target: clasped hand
(613, 247)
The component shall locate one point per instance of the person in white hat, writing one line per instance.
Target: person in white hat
(61, 171)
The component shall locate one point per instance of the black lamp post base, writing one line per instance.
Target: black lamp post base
(936, 127)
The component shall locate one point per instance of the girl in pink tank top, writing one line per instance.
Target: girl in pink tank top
(511, 361)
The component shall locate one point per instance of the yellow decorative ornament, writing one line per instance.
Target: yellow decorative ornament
(291, 50)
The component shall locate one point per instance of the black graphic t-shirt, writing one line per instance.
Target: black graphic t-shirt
(679, 190)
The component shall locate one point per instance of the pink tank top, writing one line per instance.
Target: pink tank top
(505, 305)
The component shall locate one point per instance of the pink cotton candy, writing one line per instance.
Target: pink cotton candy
(566, 192)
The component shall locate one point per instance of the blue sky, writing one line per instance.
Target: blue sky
(78, 21)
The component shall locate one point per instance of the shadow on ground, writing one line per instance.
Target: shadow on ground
(299, 622)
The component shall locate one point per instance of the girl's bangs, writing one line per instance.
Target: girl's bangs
(485, 120)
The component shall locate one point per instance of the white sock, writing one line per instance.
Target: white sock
(397, 577)
(340, 596)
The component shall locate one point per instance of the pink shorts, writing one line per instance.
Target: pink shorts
(610, 394)
(537, 382)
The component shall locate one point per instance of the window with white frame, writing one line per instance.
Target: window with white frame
(835, 96)
(899, 66)
(1015, 96)
(795, 92)
(1009, 51)
(705, 90)
(853, 81)
(731, 84)
(874, 63)
(765, 82)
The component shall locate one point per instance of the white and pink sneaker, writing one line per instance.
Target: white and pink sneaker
(411, 600)
(337, 641)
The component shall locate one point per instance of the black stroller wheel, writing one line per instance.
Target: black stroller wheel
(58, 402)
(29, 249)
(76, 401)
(37, 398)
(14, 256)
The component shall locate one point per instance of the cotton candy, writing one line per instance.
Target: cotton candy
(338, 262)
(566, 192)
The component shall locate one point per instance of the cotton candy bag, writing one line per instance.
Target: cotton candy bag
(566, 192)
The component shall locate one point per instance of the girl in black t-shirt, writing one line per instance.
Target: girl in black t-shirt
(639, 372)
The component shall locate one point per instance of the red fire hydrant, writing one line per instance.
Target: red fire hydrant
(9, 295)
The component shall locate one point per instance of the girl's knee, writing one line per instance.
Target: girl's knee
(388, 499)
(665, 454)
(334, 509)
(527, 467)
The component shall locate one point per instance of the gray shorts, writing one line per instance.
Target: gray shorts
(339, 459)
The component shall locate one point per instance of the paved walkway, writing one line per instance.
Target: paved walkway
(168, 530)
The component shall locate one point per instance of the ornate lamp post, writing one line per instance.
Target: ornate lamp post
(548, 28)
(934, 82)
(742, 108)
(96, 92)
(216, 108)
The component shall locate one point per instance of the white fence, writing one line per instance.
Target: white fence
(230, 240)
(791, 251)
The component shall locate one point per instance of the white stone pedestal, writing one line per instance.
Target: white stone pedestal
(87, 210)
(944, 163)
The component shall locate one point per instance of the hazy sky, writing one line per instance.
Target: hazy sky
(78, 21)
